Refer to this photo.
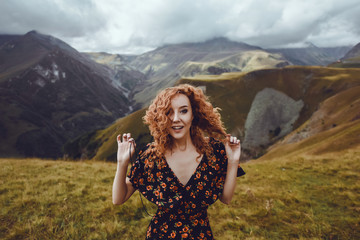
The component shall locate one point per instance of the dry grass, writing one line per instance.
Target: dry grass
(299, 197)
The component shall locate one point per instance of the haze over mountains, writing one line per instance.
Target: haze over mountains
(51, 94)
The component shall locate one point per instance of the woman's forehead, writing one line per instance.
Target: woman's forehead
(180, 100)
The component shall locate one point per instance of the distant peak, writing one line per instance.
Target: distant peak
(48, 41)
(33, 32)
(310, 45)
(218, 39)
(37, 35)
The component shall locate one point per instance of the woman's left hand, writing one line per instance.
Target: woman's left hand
(233, 149)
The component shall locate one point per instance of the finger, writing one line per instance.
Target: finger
(132, 142)
(228, 137)
(231, 139)
(124, 137)
(118, 138)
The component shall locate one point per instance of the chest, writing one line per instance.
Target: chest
(183, 165)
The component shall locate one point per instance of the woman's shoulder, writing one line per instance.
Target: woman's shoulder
(216, 143)
(148, 153)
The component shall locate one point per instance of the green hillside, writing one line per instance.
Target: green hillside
(102, 144)
(234, 93)
(304, 196)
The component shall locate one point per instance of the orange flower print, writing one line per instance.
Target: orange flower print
(184, 235)
(185, 229)
(178, 224)
(173, 235)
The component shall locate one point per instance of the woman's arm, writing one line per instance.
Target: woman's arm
(233, 151)
(122, 187)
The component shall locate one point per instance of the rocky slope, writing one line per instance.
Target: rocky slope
(51, 93)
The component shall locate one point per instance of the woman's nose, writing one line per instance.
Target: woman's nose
(176, 117)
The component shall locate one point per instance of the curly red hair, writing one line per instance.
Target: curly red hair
(206, 119)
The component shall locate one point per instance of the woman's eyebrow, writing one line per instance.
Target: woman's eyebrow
(184, 106)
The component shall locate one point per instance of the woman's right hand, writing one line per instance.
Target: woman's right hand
(123, 153)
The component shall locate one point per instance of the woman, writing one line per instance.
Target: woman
(182, 171)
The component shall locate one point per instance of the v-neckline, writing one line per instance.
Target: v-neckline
(176, 177)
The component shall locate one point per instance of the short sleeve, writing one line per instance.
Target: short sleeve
(219, 150)
(240, 171)
(136, 172)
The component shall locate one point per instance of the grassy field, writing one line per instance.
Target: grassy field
(297, 197)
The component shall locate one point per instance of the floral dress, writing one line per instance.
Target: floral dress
(182, 209)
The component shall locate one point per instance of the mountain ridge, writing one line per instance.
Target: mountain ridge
(52, 94)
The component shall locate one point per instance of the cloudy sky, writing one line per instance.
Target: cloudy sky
(131, 26)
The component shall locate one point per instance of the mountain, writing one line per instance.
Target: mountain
(166, 65)
(311, 55)
(7, 38)
(128, 76)
(51, 93)
(146, 74)
(350, 60)
(262, 107)
(353, 53)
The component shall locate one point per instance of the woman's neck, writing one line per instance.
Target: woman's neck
(182, 145)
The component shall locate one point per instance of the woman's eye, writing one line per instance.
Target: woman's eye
(184, 111)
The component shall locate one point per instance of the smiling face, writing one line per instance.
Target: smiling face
(180, 116)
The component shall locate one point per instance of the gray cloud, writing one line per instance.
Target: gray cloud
(135, 26)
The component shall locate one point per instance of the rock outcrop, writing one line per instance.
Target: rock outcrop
(272, 115)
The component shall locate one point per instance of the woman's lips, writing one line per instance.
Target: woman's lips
(177, 128)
